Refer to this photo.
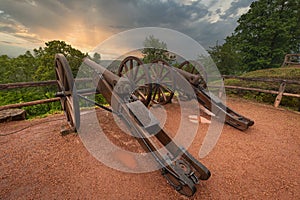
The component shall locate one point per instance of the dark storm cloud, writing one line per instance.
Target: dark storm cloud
(116, 16)
(7, 24)
(235, 6)
(137, 13)
(167, 14)
(46, 14)
(7, 29)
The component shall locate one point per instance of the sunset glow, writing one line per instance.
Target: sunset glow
(28, 24)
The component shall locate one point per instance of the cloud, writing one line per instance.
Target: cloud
(237, 8)
(86, 23)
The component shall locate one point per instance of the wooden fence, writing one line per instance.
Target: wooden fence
(280, 92)
(9, 86)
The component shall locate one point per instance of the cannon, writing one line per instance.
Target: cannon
(196, 75)
(212, 102)
(182, 171)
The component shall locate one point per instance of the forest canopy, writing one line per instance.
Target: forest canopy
(268, 31)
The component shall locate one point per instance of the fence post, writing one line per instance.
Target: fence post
(221, 88)
(279, 96)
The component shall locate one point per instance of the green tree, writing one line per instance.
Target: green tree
(154, 49)
(35, 67)
(96, 57)
(46, 55)
(4, 68)
(268, 31)
(226, 58)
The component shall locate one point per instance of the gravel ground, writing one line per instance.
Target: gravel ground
(260, 163)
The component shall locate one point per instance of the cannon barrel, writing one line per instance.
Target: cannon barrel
(110, 77)
(191, 78)
(106, 81)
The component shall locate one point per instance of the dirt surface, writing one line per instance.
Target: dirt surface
(260, 163)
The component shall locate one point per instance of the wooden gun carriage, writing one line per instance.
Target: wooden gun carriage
(180, 168)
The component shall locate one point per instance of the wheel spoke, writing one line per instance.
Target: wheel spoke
(60, 84)
(155, 92)
(158, 93)
(63, 101)
(140, 78)
(131, 63)
(165, 75)
(136, 72)
(131, 68)
(161, 71)
(157, 68)
(60, 68)
(163, 94)
(141, 94)
(65, 82)
(168, 90)
(70, 110)
(154, 75)
(59, 73)
(193, 69)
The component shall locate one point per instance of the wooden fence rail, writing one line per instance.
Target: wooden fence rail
(7, 86)
(31, 103)
(26, 84)
(271, 80)
(279, 93)
(262, 90)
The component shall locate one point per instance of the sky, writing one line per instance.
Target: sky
(28, 24)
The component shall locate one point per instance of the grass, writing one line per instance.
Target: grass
(292, 73)
(278, 73)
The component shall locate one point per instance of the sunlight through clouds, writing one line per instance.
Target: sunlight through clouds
(84, 24)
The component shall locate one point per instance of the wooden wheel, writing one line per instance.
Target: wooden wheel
(67, 91)
(132, 67)
(162, 81)
(195, 68)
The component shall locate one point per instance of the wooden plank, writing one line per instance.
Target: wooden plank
(291, 95)
(31, 103)
(6, 86)
(291, 54)
(280, 93)
(262, 79)
(250, 89)
(26, 84)
(262, 90)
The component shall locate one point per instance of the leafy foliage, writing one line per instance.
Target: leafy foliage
(35, 67)
(154, 49)
(268, 31)
(45, 58)
(96, 57)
